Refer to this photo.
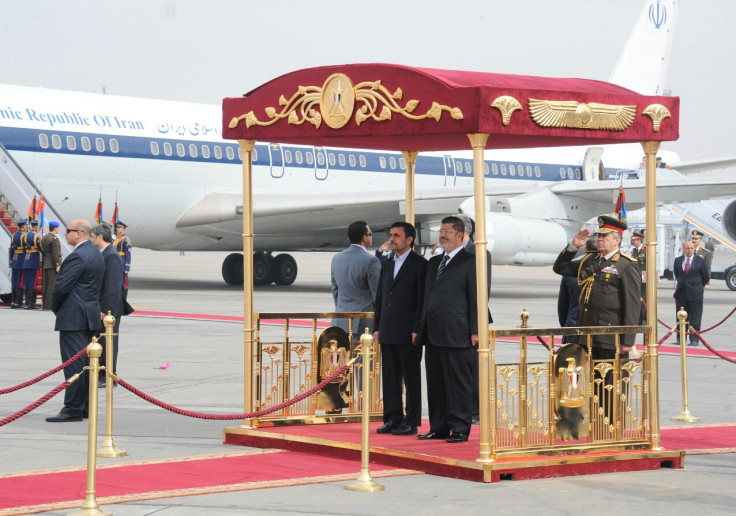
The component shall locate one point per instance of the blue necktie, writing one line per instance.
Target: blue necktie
(441, 268)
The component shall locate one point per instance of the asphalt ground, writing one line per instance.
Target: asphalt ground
(204, 373)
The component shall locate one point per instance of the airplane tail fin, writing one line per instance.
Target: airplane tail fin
(642, 65)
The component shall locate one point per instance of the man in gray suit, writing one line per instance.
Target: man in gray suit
(354, 275)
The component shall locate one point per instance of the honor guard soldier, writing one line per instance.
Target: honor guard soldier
(17, 257)
(51, 254)
(122, 246)
(707, 254)
(639, 252)
(31, 264)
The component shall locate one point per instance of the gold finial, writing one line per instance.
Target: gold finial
(682, 314)
(524, 318)
(109, 319)
(94, 349)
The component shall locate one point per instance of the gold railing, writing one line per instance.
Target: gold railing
(582, 405)
(286, 352)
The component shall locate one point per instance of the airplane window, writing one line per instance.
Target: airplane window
(392, 162)
(71, 142)
(485, 167)
(56, 141)
(570, 173)
(341, 159)
(402, 164)
(577, 173)
(467, 167)
(320, 158)
(537, 171)
(351, 160)
(205, 151)
(287, 156)
(562, 173)
(310, 157)
(154, 148)
(362, 161)
(180, 150)
(254, 154)
(458, 167)
(167, 148)
(381, 160)
(114, 147)
(512, 170)
(299, 157)
(331, 159)
(494, 168)
(43, 140)
(218, 152)
(240, 154)
(100, 144)
(86, 144)
(230, 153)
(193, 150)
(529, 171)
(503, 169)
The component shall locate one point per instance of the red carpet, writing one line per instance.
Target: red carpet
(142, 480)
(700, 439)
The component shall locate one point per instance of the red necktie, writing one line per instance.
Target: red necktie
(687, 266)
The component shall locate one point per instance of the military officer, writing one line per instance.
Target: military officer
(51, 254)
(639, 252)
(122, 246)
(611, 285)
(707, 254)
(31, 264)
(17, 257)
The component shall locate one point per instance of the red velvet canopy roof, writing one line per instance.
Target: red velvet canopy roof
(393, 107)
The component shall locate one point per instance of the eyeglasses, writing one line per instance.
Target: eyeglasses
(69, 230)
(446, 231)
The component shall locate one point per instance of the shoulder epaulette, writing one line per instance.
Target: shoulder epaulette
(628, 257)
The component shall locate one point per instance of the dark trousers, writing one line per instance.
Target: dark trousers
(103, 341)
(15, 277)
(49, 282)
(449, 388)
(76, 396)
(29, 278)
(401, 364)
(694, 309)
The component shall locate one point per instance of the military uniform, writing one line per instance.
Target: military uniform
(17, 257)
(701, 251)
(31, 265)
(51, 251)
(640, 255)
(123, 247)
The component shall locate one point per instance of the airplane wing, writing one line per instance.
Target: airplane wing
(694, 167)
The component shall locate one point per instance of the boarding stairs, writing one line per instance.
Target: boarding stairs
(16, 194)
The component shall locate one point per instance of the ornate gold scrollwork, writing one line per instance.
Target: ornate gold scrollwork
(576, 115)
(506, 105)
(657, 112)
(334, 103)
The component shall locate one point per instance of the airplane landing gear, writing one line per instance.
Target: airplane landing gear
(267, 269)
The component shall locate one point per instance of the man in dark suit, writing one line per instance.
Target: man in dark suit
(111, 293)
(449, 330)
(398, 311)
(76, 303)
(692, 277)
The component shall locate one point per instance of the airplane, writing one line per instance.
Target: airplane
(178, 183)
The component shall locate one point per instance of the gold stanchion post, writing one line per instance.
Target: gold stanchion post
(90, 507)
(108, 448)
(685, 414)
(365, 483)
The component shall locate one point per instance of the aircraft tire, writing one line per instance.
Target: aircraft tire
(5, 298)
(262, 269)
(731, 278)
(284, 270)
(232, 269)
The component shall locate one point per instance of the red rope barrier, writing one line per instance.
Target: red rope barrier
(718, 324)
(33, 406)
(82, 352)
(225, 417)
(711, 349)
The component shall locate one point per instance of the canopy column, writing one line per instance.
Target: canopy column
(246, 146)
(478, 142)
(410, 157)
(650, 153)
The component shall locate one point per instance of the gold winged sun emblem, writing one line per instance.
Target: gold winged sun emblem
(577, 115)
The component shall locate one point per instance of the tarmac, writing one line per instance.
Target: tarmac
(204, 374)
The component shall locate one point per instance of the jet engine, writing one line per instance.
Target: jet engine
(729, 220)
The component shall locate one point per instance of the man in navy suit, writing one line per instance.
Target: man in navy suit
(692, 276)
(398, 311)
(449, 330)
(111, 293)
(76, 303)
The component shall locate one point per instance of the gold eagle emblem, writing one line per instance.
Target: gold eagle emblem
(577, 115)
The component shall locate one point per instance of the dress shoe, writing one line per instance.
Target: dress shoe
(386, 428)
(457, 438)
(102, 384)
(404, 430)
(62, 418)
(693, 343)
(433, 435)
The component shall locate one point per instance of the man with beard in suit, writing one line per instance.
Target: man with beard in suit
(692, 277)
(398, 311)
(76, 304)
(449, 330)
